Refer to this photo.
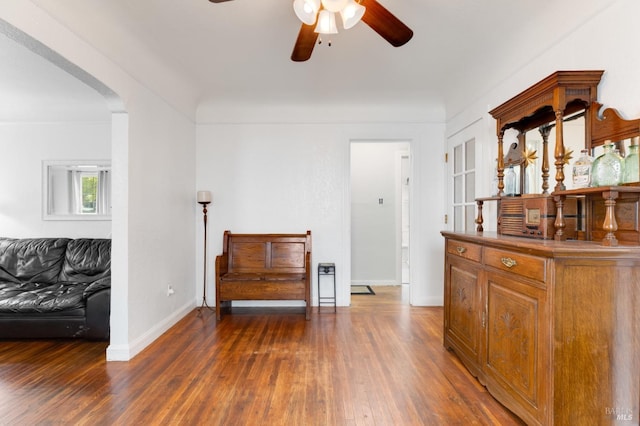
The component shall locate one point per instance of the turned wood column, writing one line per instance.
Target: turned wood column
(522, 143)
(479, 219)
(559, 152)
(610, 226)
(559, 223)
(544, 132)
(500, 164)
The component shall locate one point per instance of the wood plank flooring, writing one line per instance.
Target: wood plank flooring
(379, 362)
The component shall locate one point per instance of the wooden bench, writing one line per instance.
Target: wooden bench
(263, 267)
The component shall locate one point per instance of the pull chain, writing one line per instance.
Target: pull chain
(320, 41)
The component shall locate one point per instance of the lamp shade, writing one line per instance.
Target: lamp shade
(334, 5)
(351, 14)
(306, 10)
(326, 23)
(204, 197)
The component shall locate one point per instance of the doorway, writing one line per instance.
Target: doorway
(380, 200)
(88, 104)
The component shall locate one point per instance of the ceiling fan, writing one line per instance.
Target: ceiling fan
(375, 15)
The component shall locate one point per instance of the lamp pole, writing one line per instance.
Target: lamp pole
(204, 198)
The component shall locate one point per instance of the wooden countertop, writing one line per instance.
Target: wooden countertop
(547, 248)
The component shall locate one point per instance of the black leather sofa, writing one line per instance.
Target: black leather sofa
(55, 288)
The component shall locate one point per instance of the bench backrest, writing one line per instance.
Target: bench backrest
(276, 253)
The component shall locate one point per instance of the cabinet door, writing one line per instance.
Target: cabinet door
(463, 310)
(516, 367)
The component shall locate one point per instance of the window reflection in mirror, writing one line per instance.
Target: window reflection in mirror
(77, 190)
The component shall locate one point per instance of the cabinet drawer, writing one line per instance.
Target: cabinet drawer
(467, 250)
(521, 264)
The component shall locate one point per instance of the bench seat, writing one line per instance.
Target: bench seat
(256, 276)
(263, 267)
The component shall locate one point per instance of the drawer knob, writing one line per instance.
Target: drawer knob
(508, 262)
(461, 250)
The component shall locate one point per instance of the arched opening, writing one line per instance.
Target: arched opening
(51, 109)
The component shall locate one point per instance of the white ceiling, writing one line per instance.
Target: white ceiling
(239, 51)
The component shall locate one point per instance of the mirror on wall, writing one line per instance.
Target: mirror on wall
(552, 102)
(574, 141)
(622, 146)
(76, 190)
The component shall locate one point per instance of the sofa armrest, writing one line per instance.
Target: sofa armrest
(97, 285)
(98, 315)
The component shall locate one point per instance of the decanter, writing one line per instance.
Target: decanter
(582, 170)
(607, 168)
(631, 170)
(510, 181)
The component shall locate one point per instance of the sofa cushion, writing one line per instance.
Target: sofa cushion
(41, 297)
(32, 259)
(86, 260)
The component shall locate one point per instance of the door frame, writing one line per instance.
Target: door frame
(398, 256)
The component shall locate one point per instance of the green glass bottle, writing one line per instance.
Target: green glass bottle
(631, 163)
(607, 168)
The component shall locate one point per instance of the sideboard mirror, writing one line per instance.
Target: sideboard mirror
(76, 190)
(534, 164)
(555, 112)
(545, 127)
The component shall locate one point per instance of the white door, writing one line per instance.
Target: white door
(462, 166)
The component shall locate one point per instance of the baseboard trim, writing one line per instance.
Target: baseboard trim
(429, 301)
(374, 283)
(128, 351)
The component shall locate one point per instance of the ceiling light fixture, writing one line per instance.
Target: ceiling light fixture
(326, 23)
(323, 12)
(351, 14)
(307, 10)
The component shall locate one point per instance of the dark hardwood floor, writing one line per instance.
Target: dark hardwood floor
(379, 362)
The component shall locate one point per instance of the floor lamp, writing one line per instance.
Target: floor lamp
(204, 198)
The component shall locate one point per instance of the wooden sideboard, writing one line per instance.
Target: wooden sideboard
(551, 328)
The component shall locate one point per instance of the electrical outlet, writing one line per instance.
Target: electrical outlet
(170, 290)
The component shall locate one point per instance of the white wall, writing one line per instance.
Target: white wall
(24, 146)
(606, 41)
(154, 206)
(160, 213)
(294, 176)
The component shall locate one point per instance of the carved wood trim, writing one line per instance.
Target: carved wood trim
(610, 126)
(558, 95)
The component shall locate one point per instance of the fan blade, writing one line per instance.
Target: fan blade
(304, 44)
(218, 1)
(385, 23)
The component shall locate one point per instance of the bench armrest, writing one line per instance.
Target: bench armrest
(222, 265)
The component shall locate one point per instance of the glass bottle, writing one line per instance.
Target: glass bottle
(510, 181)
(582, 170)
(631, 169)
(607, 168)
